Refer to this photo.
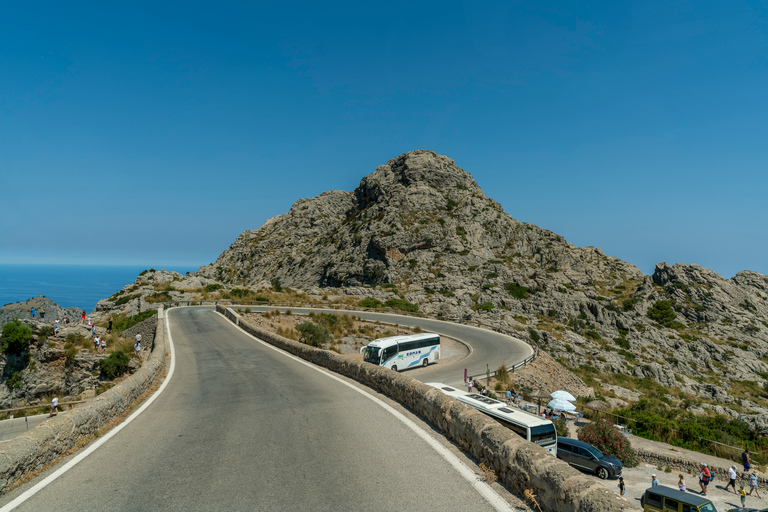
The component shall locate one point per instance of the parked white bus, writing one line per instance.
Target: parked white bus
(401, 352)
(528, 426)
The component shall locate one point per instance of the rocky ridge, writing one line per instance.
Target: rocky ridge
(420, 229)
(21, 310)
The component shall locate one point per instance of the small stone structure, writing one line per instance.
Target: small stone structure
(520, 465)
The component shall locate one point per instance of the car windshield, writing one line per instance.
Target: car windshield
(707, 507)
(371, 355)
(594, 451)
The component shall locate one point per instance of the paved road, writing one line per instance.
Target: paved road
(487, 347)
(230, 433)
(11, 428)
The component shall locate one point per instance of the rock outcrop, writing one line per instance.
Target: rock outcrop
(21, 310)
(419, 228)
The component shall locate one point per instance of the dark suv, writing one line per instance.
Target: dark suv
(588, 458)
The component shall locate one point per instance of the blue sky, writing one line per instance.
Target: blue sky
(155, 134)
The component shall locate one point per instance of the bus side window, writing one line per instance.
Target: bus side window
(389, 352)
(688, 508)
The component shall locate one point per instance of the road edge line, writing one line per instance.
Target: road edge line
(82, 455)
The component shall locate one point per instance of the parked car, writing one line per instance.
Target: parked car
(586, 457)
(667, 499)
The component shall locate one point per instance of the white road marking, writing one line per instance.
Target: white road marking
(80, 456)
(481, 487)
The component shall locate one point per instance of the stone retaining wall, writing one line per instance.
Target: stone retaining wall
(49, 440)
(520, 465)
(693, 467)
(147, 329)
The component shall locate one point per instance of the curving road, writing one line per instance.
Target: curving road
(486, 347)
(242, 426)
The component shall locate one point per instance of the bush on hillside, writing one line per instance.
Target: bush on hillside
(402, 305)
(115, 365)
(370, 302)
(517, 291)
(662, 312)
(210, 288)
(604, 436)
(121, 324)
(313, 334)
(15, 337)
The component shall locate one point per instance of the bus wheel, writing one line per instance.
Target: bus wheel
(394, 368)
(425, 363)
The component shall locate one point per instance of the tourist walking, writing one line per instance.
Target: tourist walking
(743, 495)
(56, 327)
(96, 341)
(42, 315)
(82, 318)
(138, 348)
(753, 484)
(731, 479)
(103, 344)
(54, 407)
(745, 460)
(622, 487)
(704, 478)
(109, 327)
(654, 480)
(32, 312)
(469, 385)
(681, 483)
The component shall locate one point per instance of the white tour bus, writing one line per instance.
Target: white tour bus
(401, 352)
(528, 426)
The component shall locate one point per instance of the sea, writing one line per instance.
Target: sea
(68, 286)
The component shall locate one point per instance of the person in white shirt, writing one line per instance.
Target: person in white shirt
(54, 407)
(732, 479)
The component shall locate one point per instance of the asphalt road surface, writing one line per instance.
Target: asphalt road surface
(242, 426)
(486, 347)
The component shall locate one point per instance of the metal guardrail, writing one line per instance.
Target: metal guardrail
(39, 406)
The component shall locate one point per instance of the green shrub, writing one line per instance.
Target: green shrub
(115, 365)
(370, 302)
(592, 334)
(402, 305)
(313, 334)
(210, 288)
(535, 336)
(14, 381)
(622, 342)
(275, 281)
(561, 427)
(517, 291)
(45, 331)
(662, 312)
(126, 299)
(121, 324)
(240, 293)
(158, 297)
(485, 306)
(604, 436)
(15, 337)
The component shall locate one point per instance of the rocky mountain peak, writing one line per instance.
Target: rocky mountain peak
(420, 229)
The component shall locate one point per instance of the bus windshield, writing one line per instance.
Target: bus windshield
(544, 434)
(371, 355)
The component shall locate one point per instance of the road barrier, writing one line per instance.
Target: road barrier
(53, 438)
(520, 465)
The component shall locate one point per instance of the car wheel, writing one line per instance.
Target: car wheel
(602, 473)
(394, 368)
(425, 363)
